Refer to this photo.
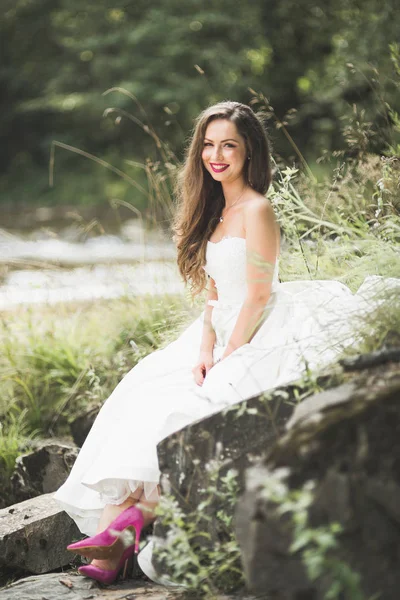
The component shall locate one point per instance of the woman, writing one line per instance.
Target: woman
(253, 334)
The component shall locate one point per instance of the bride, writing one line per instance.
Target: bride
(255, 333)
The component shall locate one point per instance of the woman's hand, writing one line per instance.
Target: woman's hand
(204, 364)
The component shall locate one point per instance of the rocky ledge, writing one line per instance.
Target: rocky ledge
(341, 451)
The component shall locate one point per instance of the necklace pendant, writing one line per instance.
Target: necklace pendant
(221, 219)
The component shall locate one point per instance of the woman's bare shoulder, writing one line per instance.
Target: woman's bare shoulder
(258, 205)
(260, 219)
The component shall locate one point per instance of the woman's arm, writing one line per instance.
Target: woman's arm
(262, 247)
(208, 338)
(206, 361)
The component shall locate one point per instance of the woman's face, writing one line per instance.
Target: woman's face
(224, 151)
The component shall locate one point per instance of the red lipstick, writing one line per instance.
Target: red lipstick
(218, 168)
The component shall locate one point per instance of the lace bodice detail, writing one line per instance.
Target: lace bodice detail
(226, 264)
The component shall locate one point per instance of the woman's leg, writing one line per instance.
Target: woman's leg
(111, 512)
(148, 508)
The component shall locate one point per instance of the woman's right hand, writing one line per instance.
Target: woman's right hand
(204, 364)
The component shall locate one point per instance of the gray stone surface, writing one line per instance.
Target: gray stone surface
(71, 586)
(233, 438)
(42, 470)
(347, 442)
(34, 535)
(264, 540)
(310, 409)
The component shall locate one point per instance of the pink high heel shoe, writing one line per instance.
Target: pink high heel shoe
(108, 576)
(108, 542)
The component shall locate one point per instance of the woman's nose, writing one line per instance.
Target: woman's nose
(217, 151)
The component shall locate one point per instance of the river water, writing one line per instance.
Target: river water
(48, 266)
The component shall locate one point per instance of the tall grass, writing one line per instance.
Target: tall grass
(56, 361)
(345, 231)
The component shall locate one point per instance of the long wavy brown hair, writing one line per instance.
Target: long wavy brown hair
(200, 198)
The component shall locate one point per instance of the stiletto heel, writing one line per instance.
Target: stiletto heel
(108, 576)
(128, 567)
(125, 569)
(107, 543)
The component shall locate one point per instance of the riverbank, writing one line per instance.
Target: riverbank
(67, 261)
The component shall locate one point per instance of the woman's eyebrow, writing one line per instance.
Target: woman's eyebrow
(228, 140)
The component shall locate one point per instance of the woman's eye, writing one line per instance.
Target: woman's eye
(225, 145)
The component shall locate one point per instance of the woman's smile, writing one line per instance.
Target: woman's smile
(218, 167)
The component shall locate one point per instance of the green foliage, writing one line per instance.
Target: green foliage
(176, 58)
(380, 327)
(52, 366)
(317, 546)
(205, 565)
(13, 435)
(343, 230)
(56, 361)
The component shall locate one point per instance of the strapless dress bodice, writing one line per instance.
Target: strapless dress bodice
(226, 263)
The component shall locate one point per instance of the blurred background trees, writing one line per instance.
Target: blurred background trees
(58, 58)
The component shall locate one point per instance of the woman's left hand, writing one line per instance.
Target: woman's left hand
(204, 364)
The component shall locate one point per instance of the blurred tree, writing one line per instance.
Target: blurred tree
(29, 56)
(152, 51)
(57, 59)
(335, 53)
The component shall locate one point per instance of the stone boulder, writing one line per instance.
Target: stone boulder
(42, 470)
(230, 439)
(82, 424)
(34, 535)
(346, 441)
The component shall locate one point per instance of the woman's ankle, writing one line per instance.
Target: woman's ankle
(112, 511)
(148, 512)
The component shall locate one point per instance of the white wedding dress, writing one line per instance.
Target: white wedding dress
(306, 323)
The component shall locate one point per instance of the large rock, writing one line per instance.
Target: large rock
(82, 424)
(345, 440)
(34, 535)
(42, 470)
(230, 439)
